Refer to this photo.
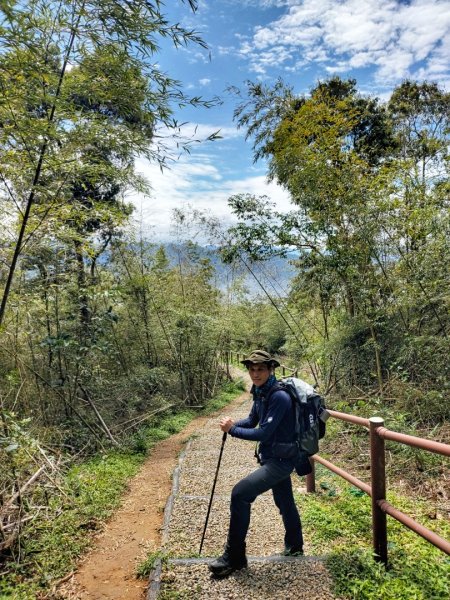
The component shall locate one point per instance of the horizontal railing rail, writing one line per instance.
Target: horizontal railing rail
(417, 442)
(349, 418)
(310, 487)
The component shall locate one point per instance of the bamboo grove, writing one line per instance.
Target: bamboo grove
(369, 226)
(98, 332)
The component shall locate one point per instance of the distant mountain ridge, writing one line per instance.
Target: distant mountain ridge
(276, 272)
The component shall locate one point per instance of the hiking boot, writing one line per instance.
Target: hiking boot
(297, 551)
(230, 561)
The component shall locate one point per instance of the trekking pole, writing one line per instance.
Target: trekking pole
(224, 437)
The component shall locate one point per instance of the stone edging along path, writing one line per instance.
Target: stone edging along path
(155, 575)
(268, 576)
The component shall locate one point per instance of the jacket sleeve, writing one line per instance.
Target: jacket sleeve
(250, 421)
(279, 403)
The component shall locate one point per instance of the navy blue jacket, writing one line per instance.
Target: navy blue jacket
(275, 418)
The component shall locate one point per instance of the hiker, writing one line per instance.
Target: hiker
(273, 413)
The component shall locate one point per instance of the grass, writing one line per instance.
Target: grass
(337, 520)
(337, 523)
(93, 491)
(144, 569)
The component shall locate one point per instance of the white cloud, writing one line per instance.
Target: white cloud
(399, 39)
(204, 81)
(195, 181)
(195, 56)
(225, 50)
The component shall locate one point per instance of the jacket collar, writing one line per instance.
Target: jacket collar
(262, 391)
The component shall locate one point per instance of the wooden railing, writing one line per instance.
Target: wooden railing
(377, 488)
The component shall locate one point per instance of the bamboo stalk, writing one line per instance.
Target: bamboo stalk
(23, 488)
(98, 415)
(139, 420)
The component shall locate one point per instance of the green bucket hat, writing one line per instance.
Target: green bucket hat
(258, 357)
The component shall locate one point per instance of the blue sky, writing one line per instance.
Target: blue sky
(378, 42)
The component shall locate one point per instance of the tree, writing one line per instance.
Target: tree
(64, 68)
(176, 316)
(323, 150)
(367, 182)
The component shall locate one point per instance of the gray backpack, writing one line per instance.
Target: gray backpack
(310, 417)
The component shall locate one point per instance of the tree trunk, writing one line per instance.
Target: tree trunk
(83, 301)
(36, 179)
(377, 359)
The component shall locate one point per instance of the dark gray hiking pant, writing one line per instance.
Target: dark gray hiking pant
(274, 474)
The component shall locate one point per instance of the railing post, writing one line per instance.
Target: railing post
(378, 480)
(311, 478)
(283, 370)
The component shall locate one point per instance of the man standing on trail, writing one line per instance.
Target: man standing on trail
(272, 410)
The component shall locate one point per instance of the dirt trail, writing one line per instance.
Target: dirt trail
(108, 570)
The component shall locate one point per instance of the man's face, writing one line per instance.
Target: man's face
(259, 373)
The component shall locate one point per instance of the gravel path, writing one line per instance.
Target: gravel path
(268, 576)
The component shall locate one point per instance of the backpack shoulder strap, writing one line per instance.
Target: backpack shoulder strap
(281, 386)
(275, 388)
(278, 386)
